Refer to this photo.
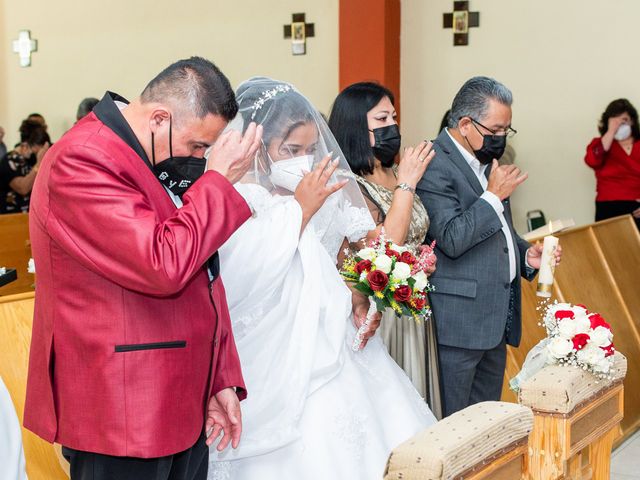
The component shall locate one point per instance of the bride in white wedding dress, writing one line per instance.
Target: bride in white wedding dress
(316, 409)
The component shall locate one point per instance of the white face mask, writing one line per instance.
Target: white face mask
(623, 132)
(288, 173)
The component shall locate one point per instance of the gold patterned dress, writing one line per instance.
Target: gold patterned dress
(412, 345)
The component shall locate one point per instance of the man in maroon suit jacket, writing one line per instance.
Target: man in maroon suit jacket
(132, 357)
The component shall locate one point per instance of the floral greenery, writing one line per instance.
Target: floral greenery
(394, 276)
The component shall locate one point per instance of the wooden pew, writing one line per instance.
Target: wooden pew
(16, 318)
(601, 269)
(15, 251)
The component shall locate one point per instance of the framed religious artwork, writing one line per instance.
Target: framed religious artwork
(461, 22)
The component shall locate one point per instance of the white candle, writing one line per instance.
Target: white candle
(547, 266)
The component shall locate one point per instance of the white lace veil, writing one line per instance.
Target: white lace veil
(281, 109)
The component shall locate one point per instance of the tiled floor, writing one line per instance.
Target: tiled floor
(625, 460)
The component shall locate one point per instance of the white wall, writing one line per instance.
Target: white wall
(564, 61)
(88, 46)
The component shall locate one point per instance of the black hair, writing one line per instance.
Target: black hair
(616, 108)
(348, 123)
(279, 115)
(445, 121)
(86, 106)
(33, 133)
(196, 85)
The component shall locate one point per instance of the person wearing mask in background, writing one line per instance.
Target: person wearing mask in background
(363, 121)
(85, 107)
(18, 168)
(615, 157)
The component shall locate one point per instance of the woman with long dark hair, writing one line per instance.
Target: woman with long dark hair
(363, 121)
(615, 157)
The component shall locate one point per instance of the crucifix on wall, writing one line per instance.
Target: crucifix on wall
(461, 20)
(24, 46)
(298, 32)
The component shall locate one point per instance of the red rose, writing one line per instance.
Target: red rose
(392, 253)
(407, 257)
(598, 321)
(402, 293)
(580, 340)
(560, 314)
(419, 302)
(609, 350)
(363, 265)
(377, 280)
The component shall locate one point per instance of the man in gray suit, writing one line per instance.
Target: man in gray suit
(476, 303)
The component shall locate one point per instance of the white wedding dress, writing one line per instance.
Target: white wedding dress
(316, 409)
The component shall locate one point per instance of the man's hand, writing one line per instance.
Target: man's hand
(233, 153)
(224, 416)
(504, 179)
(360, 310)
(534, 255)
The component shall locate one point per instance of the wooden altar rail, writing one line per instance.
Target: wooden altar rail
(601, 269)
(15, 251)
(16, 318)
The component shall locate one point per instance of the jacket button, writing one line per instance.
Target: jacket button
(506, 250)
(215, 342)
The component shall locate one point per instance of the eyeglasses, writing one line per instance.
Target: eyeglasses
(508, 132)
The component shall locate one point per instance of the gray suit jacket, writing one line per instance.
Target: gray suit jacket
(471, 298)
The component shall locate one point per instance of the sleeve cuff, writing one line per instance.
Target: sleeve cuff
(493, 200)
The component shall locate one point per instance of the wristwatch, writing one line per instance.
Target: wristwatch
(406, 187)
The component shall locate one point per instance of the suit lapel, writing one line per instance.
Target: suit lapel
(452, 152)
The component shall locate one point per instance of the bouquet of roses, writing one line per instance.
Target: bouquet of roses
(575, 337)
(579, 337)
(392, 276)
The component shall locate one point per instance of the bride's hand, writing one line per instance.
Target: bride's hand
(360, 310)
(312, 191)
(224, 416)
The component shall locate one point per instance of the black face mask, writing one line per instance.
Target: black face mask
(177, 173)
(492, 147)
(387, 144)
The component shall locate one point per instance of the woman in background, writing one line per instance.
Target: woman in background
(615, 157)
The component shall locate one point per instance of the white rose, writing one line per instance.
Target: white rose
(601, 336)
(383, 263)
(560, 347)
(567, 328)
(421, 281)
(582, 323)
(398, 248)
(401, 271)
(367, 253)
(590, 354)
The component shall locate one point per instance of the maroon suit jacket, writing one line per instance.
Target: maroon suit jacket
(129, 340)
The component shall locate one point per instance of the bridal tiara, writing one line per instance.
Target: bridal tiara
(268, 95)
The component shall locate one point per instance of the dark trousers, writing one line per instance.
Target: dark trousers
(615, 208)
(471, 376)
(192, 464)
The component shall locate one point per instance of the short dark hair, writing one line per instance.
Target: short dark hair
(616, 108)
(33, 133)
(86, 106)
(348, 123)
(195, 85)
